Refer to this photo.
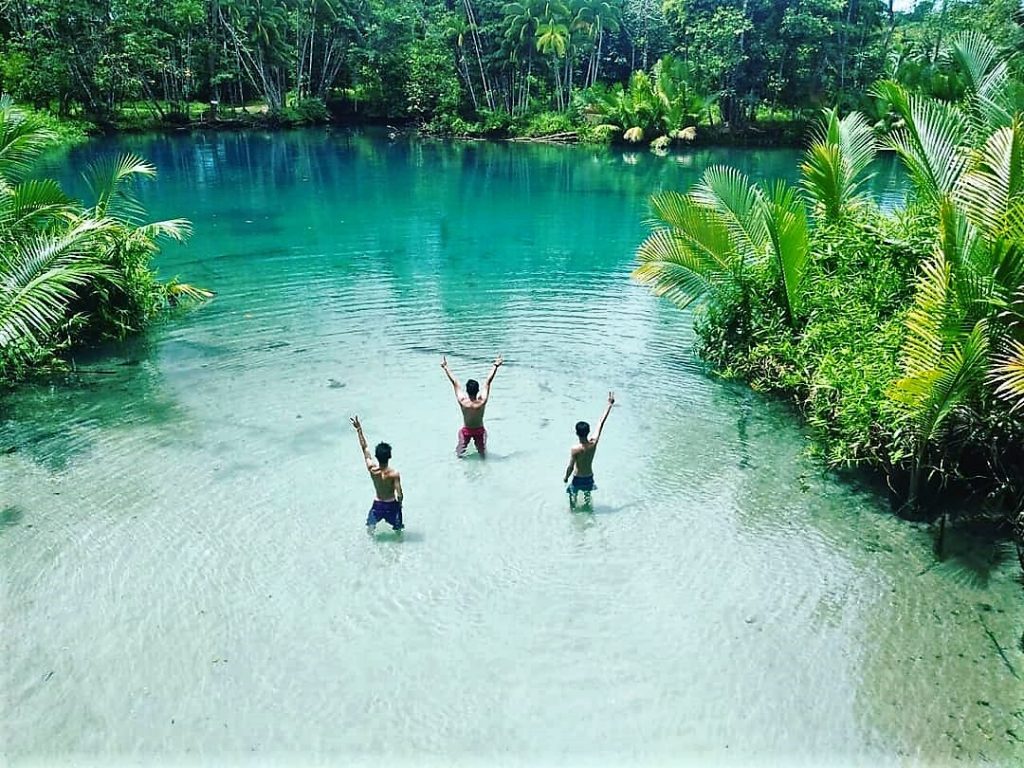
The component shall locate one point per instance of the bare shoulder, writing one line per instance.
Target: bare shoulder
(576, 450)
(393, 473)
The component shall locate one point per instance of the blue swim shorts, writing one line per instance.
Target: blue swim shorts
(388, 511)
(580, 483)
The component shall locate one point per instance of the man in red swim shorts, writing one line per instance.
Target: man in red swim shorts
(473, 401)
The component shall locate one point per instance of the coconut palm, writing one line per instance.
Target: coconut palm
(704, 243)
(835, 167)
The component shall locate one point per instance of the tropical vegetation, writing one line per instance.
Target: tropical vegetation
(72, 272)
(900, 335)
(648, 69)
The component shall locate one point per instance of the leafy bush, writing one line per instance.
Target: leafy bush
(547, 123)
(70, 273)
(840, 366)
(311, 112)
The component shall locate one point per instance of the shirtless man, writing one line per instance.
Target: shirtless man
(472, 401)
(387, 483)
(581, 459)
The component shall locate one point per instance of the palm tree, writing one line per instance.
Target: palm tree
(835, 167)
(553, 40)
(946, 345)
(606, 17)
(704, 243)
(60, 260)
(964, 331)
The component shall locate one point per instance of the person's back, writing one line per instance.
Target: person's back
(473, 407)
(384, 481)
(581, 459)
(387, 483)
(585, 456)
(472, 402)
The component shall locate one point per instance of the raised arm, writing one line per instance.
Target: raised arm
(362, 442)
(448, 373)
(498, 362)
(604, 417)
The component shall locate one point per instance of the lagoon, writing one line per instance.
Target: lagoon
(185, 573)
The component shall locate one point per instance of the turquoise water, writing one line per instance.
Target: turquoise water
(186, 577)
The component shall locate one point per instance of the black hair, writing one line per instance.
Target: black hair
(472, 387)
(582, 430)
(383, 453)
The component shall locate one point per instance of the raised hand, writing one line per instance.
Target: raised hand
(444, 362)
(499, 361)
(355, 424)
(611, 398)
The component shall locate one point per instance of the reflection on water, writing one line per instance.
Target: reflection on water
(186, 571)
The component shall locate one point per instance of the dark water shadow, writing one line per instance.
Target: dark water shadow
(608, 509)
(11, 516)
(972, 553)
(492, 456)
(396, 537)
(54, 420)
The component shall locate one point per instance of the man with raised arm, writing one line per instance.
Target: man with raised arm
(581, 459)
(473, 401)
(387, 483)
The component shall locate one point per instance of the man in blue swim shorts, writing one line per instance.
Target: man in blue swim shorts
(387, 483)
(581, 459)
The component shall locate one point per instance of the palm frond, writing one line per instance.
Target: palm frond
(40, 279)
(741, 205)
(932, 394)
(671, 269)
(994, 184)
(931, 141)
(835, 165)
(22, 140)
(987, 77)
(692, 257)
(1008, 373)
(700, 228)
(110, 181)
(178, 230)
(786, 222)
(32, 204)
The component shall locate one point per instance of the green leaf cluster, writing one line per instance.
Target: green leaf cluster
(900, 336)
(71, 273)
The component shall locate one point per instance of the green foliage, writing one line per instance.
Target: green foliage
(900, 336)
(840, 366)
(660, 107)
(311, 111)
(547, 123)
(70, 273)
(712, 244)
(835, 170)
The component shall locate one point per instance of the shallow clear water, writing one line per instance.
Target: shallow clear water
(185, 573)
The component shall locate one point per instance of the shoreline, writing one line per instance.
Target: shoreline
(791, 134)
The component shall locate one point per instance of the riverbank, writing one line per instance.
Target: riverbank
(545, 126)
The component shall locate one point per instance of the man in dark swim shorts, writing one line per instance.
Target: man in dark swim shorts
(581, 459)
(387, 483)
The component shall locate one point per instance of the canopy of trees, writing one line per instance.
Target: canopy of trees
(420, 58)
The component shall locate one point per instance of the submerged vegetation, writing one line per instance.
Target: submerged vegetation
(900, 335)
(70, 272)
